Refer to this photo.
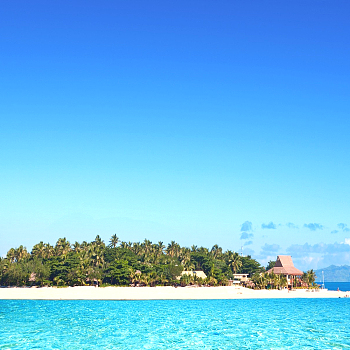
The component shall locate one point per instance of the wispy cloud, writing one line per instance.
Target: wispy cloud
(291, 225)
(319, 248)
(314, 226)
(246, 235)
(246, 226)
(344, 227)
(320, 255)
(248, 243)
(270, 248)
(270, 225)
(334, 231)
(246, 229)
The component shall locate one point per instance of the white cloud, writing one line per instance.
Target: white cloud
(320, 255)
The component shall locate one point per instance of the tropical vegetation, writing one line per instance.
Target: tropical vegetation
(270, 280)
(121, 263)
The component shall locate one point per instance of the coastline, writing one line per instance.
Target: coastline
(158, 293)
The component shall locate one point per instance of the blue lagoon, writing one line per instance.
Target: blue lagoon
(176, 324)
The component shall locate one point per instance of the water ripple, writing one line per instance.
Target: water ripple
(177, 324)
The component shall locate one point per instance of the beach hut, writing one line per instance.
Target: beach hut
(238, 278)
(242, 277)
(284, 266)
(199, 274)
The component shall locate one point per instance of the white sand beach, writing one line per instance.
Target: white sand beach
(159, 293)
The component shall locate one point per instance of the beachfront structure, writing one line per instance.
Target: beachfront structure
(284, 266)
(238, 278)
(242, 277)
(198, 274)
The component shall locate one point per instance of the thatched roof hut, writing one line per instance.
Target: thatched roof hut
(284, 266)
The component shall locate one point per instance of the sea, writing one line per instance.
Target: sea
(342, 286)
(176, 324)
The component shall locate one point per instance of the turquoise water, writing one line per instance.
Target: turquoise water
(178, 324)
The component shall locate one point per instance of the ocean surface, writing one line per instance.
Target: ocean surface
(343, 286)
(177, 324)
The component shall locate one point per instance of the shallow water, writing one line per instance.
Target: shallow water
(177, 324)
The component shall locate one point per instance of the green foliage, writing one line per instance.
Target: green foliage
(172, 271)
(120, 263)
(202, 261)
(39, 272)
(118, 272)
(250, 266)
(270, 265)
(309, 278)
(16, 274)
(269, 280)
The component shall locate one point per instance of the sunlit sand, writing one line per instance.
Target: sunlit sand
(159, 293)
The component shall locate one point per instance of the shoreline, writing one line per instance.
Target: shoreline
(159, 293)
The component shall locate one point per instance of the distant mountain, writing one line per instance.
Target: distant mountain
(334, 274)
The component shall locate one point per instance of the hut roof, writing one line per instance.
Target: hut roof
(284, 266)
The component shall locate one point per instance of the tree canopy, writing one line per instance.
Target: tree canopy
(120, 263)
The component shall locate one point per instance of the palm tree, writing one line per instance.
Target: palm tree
(158, 252)
(11, 255)
(96, 255)
(184, 256)
(49, 251)
(62, 247)
(216, 251)
(211, 281)
(85, 261)
(21, 253)
(146, 247)
(185, 280)
(84, 246)
(162, 279)
(39, 250)
(234, 261)
(283, 281)
(76, 247)
(4, 264)
(309, 277)
(173, 249)
(259, 280)
(203, 250)
(136, 248)
(277, 281)
(98, 241)
(113, 241)
(189, 266)
(145, 279)
(272, 279)
(123, 245)
(135, 276)
(161, 247)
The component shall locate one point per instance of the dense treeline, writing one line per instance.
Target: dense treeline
(120, 263)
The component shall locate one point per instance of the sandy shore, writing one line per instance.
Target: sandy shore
(159, 293)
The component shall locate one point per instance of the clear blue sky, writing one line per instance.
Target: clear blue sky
(197, 121)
